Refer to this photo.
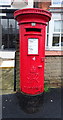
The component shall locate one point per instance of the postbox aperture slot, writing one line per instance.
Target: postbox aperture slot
(32, 46)
(33, 30)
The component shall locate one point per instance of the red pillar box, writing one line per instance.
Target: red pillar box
(32, 30)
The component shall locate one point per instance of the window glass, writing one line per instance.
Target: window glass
(56, 16)
(11, 23)
(62, 40)
(47, 34)
(47, 39)
(4, 23)
(17, 26)
(62, 26)
(48, 28)
(5, 40)
(57, 26)
(56, 39)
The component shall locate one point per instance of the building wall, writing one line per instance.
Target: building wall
(44, 5)
(21, 4)
(53, 71)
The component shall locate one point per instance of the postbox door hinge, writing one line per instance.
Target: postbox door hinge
(42, 59)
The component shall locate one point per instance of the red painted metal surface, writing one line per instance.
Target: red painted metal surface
(32, 29)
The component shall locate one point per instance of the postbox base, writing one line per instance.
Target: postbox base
(25, 94)
(29, 103)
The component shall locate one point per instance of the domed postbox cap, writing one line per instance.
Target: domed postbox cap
(32, 14)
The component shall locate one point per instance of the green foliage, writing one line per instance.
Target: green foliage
(46, 88)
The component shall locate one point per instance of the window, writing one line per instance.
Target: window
(57, 3)
(9, 33)
(57, 39)
(55, 32)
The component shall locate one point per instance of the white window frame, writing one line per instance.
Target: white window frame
(59, 33)
(51, 32)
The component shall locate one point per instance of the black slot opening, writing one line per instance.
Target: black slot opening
(33, 30)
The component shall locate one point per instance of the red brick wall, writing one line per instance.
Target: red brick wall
(54, 53)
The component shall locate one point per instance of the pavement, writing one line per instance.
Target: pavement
(48, 105)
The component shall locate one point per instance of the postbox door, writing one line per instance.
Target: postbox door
(32, 64)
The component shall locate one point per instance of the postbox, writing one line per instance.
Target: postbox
(32, 31)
